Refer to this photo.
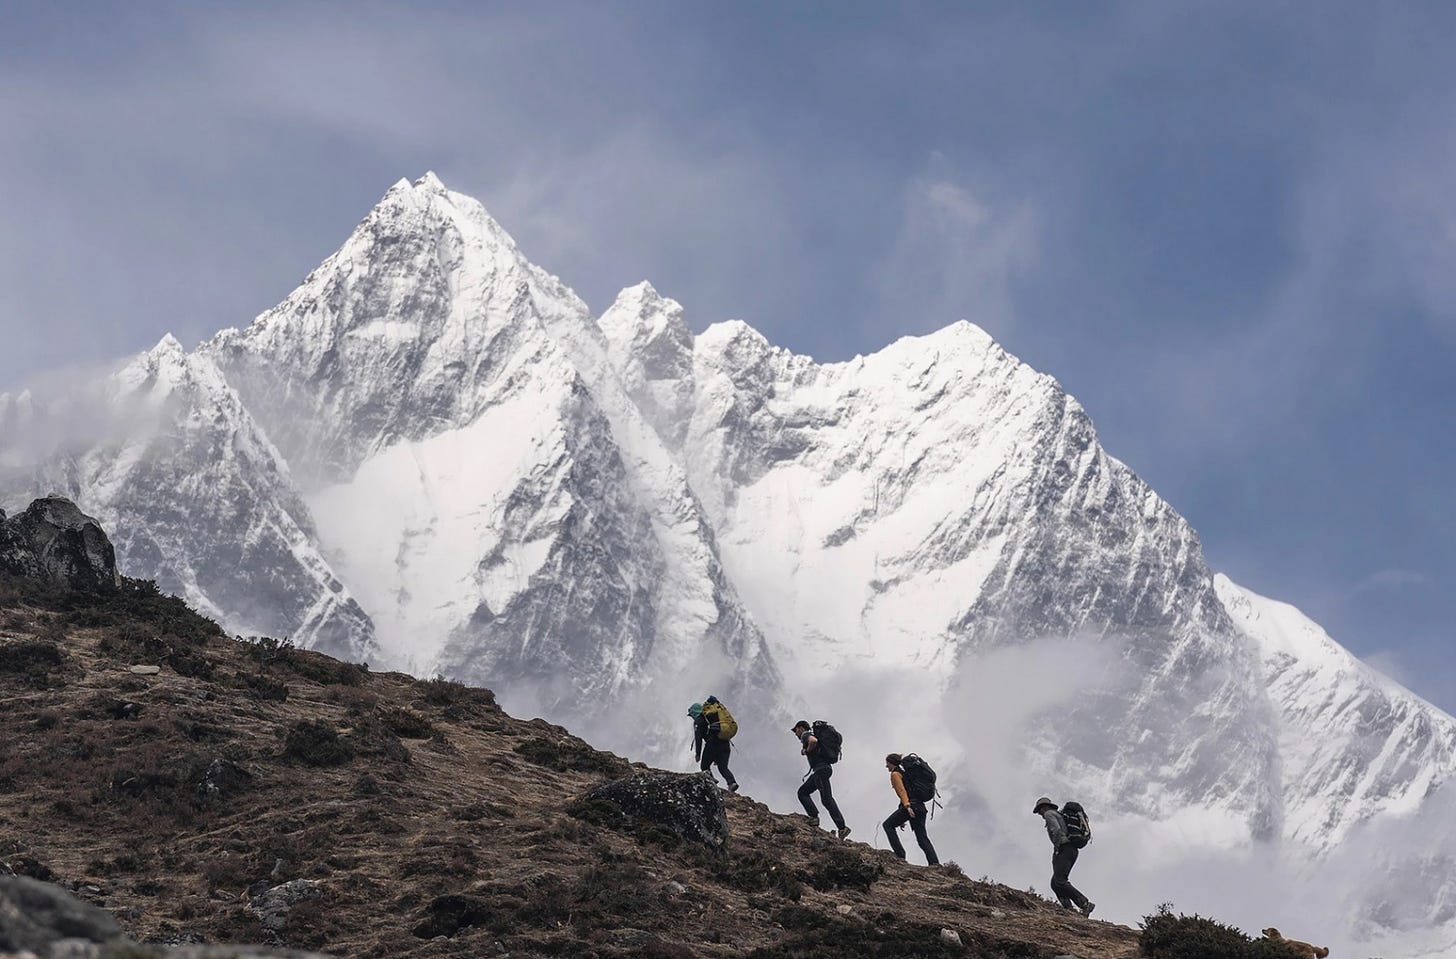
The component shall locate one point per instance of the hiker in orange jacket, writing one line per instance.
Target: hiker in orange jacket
(911, 811)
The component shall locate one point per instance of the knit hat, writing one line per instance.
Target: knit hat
(695, 710)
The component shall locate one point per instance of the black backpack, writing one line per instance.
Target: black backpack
(831, 744)
(919, 778)
(1079, 829)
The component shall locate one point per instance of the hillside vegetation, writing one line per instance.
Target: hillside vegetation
(249, 791)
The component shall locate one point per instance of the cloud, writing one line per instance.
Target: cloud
(958, 254)
(1391, 579)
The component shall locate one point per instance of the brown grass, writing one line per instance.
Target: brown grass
(422, 808)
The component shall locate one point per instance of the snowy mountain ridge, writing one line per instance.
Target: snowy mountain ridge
(432, 455)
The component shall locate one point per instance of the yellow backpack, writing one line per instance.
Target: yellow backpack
(720, 721)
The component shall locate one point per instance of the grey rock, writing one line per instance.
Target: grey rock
(35, 915)
(689, 805)
(74, 949)
(272, 906)
(950, 936)
(53, 541)
(140, 670)
(222, 778)
(845, 909)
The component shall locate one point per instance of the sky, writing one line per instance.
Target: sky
(1226, 228)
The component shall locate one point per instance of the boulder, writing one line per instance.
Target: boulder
(35, 915)
(53, 541)
(223, 778)
(272, 906)
(44, 921)
(689, 805)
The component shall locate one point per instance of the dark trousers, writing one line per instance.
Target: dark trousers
(819, 780)
(715, 753)
(917, 824)
(1062, 862)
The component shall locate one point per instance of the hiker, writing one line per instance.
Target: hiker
(713, 727)
(1064, 857)
(821, 756)
(912, 805)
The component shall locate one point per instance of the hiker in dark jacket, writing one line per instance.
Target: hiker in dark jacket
(818, 779)
(1064, 857)
(911, 811)
(708, 749)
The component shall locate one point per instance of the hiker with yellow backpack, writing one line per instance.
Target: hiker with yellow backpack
(713, 730)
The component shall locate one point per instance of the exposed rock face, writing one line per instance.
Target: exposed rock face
(34, 915)
(272, 906)
(689, 805)
(54, 541)
(43, 920)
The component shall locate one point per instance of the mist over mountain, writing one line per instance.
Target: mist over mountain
(433, 456)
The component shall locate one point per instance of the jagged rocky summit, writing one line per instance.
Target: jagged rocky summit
(53, 541)
(431, 454)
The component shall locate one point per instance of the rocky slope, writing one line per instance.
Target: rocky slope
(205, 789)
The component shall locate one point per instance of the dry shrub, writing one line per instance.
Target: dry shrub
(35, 663)
(407, 723)
(1166, 936)
(325, 670)
(316, 743)
(842, 868)
(260, 687)
(569, 754)
(457, 701)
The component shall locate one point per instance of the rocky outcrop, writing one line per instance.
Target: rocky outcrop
(689, 805)
(54, 541)
(43, 920)
(35, 915)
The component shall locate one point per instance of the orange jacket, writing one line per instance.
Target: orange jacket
(898, 782)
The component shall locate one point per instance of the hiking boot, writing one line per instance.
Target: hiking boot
(843, 831)
(733, 787)
(813, 820)
(1087, 909)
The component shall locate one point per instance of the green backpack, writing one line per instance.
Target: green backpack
(720, 721)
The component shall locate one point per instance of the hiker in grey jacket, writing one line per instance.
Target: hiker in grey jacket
(1064, 857)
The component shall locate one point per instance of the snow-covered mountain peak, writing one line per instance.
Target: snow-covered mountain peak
(641, 307)
(643, 325)
(168, 345)
(733, 336)
(158, 375)
(408, 323)
(959, 341)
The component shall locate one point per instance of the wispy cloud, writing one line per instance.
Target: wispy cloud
(957, 255)
(1391, 579)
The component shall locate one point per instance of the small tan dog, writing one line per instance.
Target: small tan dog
(1304, 948)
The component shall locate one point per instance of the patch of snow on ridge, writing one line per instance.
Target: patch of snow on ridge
(411, 529)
